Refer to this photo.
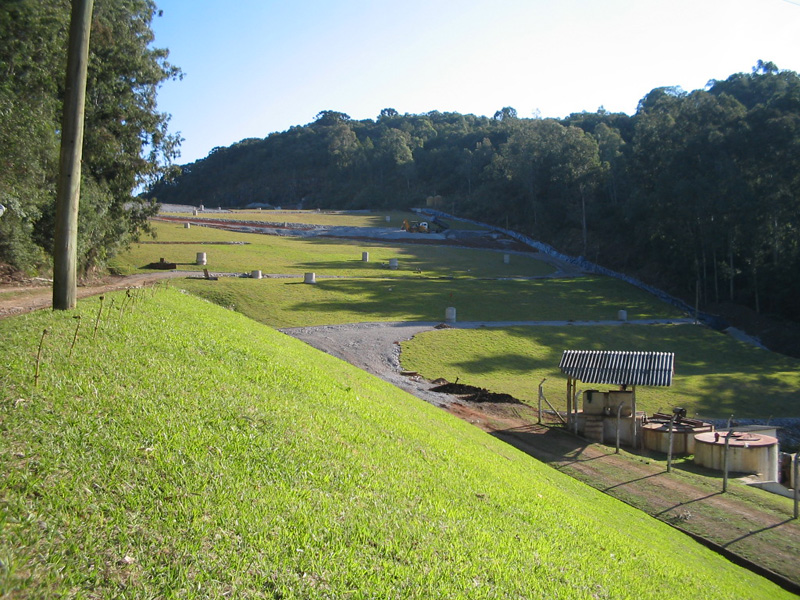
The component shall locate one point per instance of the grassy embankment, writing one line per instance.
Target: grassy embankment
(189, 452)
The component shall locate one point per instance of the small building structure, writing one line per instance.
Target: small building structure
(609, 414)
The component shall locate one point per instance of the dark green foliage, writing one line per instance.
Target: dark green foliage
(697, 192)
(126, 141)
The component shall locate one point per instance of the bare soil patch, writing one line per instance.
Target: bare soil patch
(23, 295)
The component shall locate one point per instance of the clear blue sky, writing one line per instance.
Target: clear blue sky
(253, 67)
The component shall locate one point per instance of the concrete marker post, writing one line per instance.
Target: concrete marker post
(450, 314)
(310, 278)
(201, 258)
(365, 257)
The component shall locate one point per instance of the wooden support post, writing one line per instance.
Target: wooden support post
(669, 453)
(68, 187)
(541, 393)
(569, 401)
(633, 417)
(796, 469)
(725, 462)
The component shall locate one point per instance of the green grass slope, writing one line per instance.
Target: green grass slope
(188, 452)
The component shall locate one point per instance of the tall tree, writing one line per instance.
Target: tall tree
(126, 142)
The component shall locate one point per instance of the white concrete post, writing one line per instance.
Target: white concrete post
(450, 314)
(310, 278)
(506, 258)
(201, 258)
(255, 274)
(622, 315)
(393, 264)
(365, 256)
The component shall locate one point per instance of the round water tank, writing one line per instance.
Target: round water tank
(747, 453)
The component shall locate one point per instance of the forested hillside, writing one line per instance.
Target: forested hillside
(126, 142)
(697, 192)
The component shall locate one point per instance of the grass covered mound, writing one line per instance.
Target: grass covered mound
(187, 451)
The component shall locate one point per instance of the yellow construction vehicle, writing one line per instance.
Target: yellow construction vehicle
(415, 226)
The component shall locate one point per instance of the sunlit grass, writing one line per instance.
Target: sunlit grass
(716, 376)
(330, 256)
(328, 218)
(186, 451)
(289, 302)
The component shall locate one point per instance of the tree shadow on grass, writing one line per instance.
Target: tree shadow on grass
(475, 300)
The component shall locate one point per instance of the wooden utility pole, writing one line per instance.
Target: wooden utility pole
(65, 251)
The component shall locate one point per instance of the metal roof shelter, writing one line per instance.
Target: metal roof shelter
(619, 368)
(610, 367)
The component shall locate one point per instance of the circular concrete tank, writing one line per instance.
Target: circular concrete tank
(655, 436)
(747, 453)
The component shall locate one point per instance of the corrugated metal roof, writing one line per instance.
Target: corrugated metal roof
(618, 367)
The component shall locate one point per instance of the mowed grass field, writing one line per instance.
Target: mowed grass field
(176, 449)
(715, 375)
(329, 218)
(234, 252)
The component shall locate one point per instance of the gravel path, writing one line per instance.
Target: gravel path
(375, 347)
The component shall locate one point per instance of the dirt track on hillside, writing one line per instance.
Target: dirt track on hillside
(38, 294)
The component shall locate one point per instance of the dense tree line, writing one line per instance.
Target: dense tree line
(126, 141)
(697, 191)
